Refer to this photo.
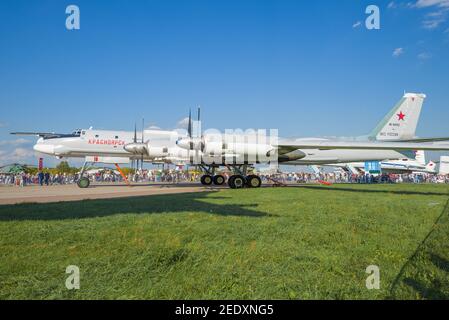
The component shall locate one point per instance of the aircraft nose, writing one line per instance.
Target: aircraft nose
(44, 148)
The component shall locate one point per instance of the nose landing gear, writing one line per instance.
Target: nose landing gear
(83, 183)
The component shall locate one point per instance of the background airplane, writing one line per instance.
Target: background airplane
(401, 166)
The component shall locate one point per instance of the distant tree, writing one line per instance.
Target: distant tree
(31, 170)
(64, 167)
(126, 171)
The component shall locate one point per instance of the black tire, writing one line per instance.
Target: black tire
(206, 180)
(219, 180)
(231, 182)
(253, 181)
(83, 183)
(237, 182)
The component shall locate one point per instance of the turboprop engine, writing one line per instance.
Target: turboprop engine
(137, 148)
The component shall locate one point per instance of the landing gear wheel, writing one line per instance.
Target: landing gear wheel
(219, 180)
(83, 183)
(206, 180)
(253, 181)
(237, 182)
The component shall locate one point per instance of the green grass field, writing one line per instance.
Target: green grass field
(273, 243)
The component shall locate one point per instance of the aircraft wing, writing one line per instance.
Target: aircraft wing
(289, 146)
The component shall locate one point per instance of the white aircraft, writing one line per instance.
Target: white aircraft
(393, 138)
(405, 165)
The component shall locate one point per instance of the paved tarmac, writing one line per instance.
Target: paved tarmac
(56, 193)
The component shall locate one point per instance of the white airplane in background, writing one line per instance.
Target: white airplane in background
(406, 165)
(393, 138)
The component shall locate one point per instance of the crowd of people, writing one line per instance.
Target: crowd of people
(110, 176)
(345, 177)
(175, 176)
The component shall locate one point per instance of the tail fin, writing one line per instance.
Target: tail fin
(401, 122)
(420, 157)
(431, 167)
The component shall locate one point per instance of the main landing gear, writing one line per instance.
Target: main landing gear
(237, 181)
(208, 180)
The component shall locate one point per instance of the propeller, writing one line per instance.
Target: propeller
(189, 133)
(189, 127)
(138, 147)
(133, 161)
(192, 142)
(198, 133)
(143, 141)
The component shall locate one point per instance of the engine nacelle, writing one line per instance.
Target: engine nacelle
(136, 148)
(291, 156)
(157, 152)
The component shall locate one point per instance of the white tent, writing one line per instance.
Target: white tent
(444, 165)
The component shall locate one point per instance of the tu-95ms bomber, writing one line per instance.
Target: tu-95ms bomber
(393, 138)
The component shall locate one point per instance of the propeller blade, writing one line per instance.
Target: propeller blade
(189, 128)
(143, 129)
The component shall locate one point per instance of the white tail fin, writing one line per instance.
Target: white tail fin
(420, 157)
(401, 122)
(431, 167)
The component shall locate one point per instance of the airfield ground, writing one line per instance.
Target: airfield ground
(307, 242)
(70, 192)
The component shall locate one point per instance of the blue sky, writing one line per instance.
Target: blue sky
(308, 68)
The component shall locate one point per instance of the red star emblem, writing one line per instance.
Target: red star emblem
(401, 116)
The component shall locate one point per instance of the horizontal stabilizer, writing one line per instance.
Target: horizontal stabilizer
(38, 134)
(426, 139)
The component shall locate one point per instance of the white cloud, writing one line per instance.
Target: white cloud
(392, 5)
(434, 19)
(14, 142)
(16, 155)
(398, 52)
(2, 124)
(424, 56)
(431, 24)
(183, 124)
(431, 3)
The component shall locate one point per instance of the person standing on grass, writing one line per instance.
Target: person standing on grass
(40, 176)
(47, 178)
(22, 180)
